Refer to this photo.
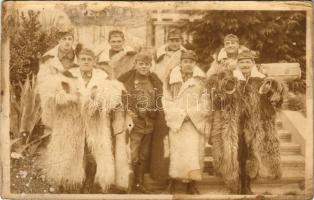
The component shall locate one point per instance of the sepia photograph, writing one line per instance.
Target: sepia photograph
(156, 100)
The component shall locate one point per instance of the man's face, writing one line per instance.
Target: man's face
(142, 67)
(231, 46)
(86, 62)
(187, 65)
(245, 65)
(174, 43)
(66, 42)
(116, 43)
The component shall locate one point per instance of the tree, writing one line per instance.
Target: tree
(275, 35)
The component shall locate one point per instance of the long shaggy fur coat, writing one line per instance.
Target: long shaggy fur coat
(103, 101)
(62, 162)
(244, 107)
(225, 111)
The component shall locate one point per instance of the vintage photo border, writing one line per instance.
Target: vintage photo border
(224, 5)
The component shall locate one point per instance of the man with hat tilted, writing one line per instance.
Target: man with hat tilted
(168, 55)
(143, 103)
(227, 56)
(185, 107)
(117, 58)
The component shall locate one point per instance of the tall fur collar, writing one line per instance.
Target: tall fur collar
(162, 50)
(223, 54)
(103, 56)
(254, 73)
(176, 76)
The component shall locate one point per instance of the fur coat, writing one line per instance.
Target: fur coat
(185, 105)
(118, 64)
(225, 113)
(249, 109)
(165, 61)
(101, 99)
(62, 162)
(49, 69)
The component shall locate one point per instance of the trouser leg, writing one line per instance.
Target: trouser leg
(90, 170)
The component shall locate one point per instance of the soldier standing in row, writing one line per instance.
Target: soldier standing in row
(141, 101)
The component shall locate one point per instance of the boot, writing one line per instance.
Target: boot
(139, 180)
(191, 188)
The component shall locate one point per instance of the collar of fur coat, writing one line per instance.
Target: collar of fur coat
(223, 54)
(162, 50)
(254, 73)
(176, 76)
(54, 53)
(103, 56)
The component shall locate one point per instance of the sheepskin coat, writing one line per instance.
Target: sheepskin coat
(118, 64)
(62, 161)
(225, 112)
(104, 126)
(49, 69)
(258, 122)
(165, 61)
(185, 105)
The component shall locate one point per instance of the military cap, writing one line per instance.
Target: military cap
(115, 33)
(246, 54)
(65, 30)
(174, 33)
(86, 51)
(231, 37)
(189, 54)
(144, 56)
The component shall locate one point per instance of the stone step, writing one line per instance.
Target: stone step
(296, 162)
(210, 181)
(284, 135)
(286, 148)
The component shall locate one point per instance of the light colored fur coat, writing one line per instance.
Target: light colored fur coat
(62, 162)
(112, 164)
(187, 137)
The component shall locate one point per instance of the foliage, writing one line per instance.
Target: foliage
(275, 35)
(27, 43)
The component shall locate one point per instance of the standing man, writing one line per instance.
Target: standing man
(143, 89)
(187, 117)
(100, 97)
(168, 56)
(52, 64)
(258, 147)
(118, 58)
(227, 56)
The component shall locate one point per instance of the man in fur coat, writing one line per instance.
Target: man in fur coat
(244, 141)
(143, 102)
(185, 106)
(101, 99)
(227, 56)
(118, 58)
(52, 64)
(259, 154)
(168, 56)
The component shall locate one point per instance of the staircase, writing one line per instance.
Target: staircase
(293, 172)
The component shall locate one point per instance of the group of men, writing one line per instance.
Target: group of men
(119, 114)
